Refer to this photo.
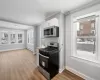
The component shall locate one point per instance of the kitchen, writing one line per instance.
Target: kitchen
(64, 36)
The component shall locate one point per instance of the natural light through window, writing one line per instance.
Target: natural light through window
(4, 38)
(30, 36)
(20, 38)
(85, 37)
(11, 37)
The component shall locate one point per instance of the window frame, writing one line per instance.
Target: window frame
(95, 57)
(4, 31)
(22, 37)
(28, 36)
(15, 38)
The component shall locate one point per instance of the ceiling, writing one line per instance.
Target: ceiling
(10, 25)
(32, 12)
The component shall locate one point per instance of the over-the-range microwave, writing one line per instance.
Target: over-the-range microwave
(52, 31)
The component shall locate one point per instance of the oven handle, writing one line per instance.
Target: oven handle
(43, 56)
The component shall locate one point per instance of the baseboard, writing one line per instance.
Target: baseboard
(30, 50)
(11, 49)
(61, 70)
(79, 73)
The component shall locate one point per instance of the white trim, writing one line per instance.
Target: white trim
(30, 49)
(11, 44)
(61, 70)
(79, 73)
(93, 62)
(11, 49)
(95, 2)
(30, 44)
(96, 14)
(51, 15)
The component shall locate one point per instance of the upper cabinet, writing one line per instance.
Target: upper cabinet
(53, 22)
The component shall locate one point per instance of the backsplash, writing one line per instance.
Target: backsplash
(45, 41)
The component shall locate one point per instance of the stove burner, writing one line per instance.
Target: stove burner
(48, 51)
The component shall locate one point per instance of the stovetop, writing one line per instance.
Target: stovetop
(48, 50)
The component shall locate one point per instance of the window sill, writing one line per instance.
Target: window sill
(93, 61)
(11, 44)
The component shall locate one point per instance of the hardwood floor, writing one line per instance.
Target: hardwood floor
(21, 65)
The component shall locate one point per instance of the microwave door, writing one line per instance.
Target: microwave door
(54, 31)
(47, 32)
(51, 31)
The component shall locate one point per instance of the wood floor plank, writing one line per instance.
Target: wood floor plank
(21, 65)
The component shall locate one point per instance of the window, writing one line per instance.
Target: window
(4, 38)
(13, 38)
(30, 37)
(85, 37)
(20, 38)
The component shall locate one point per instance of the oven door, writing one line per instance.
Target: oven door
(43, 61)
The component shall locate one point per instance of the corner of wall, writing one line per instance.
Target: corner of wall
(61, 70)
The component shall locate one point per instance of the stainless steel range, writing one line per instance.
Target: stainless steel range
(49, 60)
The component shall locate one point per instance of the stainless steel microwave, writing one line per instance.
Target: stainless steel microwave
(52, 31)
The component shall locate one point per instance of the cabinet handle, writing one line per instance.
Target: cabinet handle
(43, 55)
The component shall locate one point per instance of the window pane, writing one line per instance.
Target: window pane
(13, 38)
(4, 38)
(86, 45)
(19, 38)
(86, 37)
(28, 38)
(86, 28)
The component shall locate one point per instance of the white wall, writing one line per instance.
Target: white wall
(7, 47)
(87, 68)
